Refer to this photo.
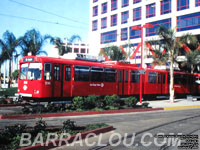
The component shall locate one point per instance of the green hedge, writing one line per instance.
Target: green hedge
(8, 91)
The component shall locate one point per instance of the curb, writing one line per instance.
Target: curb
(181, 107)
(67, 140)
(32, 116)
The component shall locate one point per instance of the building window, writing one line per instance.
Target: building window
(113, 4)
(95, 11)
(125, 3)
(94, 25)
(124, 17)
(109, 37)
(95, 1)
(76, 50)
(135, 33)
(137, 14)
(197, 3)
(165, 7)
(113, 20)
(82, 50)
(182, 4)
(136, 1)
(103, 23)
(153, 31)
(124, 34)
(150, 10)
(188, 22)
(104, 8)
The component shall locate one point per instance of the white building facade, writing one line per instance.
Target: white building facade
(79, 47)
(111, 21)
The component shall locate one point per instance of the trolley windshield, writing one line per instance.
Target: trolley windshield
(31, 71)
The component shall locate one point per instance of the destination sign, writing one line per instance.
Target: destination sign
(28, 59)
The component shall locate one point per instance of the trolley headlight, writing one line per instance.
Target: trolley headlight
(18, 90)
(36, 91)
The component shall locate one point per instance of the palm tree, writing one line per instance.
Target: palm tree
(113, 53)
(192, 60)
(170, 45)
(191, 52)
(63, 47)
(1, 61)
(169, 49)
(59, 45)
(33, 42)
(8, 45)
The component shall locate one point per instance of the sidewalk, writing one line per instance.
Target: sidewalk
(178, 104)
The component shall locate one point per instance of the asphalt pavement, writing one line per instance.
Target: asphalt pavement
(179, 117)
(145, 126)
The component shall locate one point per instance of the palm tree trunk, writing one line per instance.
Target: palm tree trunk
(192, 68)
(171, 86)
(9, 81)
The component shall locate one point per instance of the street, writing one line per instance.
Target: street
(144, 126)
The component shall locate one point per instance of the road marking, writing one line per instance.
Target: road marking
(181, 107)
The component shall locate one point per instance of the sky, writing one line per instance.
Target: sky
(58, 18)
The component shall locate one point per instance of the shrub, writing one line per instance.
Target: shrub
(69, 125)
(90, 101)
(131, 101)
(3, 101)
(26, 110)
(113, 100)
(8, 92)
(40, 126)
(78, 102)
(100, 104)
(14, 130)
(37, 109)
(10, 137)
(145, 105)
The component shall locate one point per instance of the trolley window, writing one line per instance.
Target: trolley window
(47, 71)
(135, 76)
(23, 71)
(164, 78)
(67, 73)
(159, 78)
(126, 76)
(152, 77)
(34, 71)
(180, 79)
(97, 74)
(57, 73)
(110, 75)
(81, 73)
(120, 76)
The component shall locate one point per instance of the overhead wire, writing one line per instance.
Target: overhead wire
(50, 13)
(43, 21)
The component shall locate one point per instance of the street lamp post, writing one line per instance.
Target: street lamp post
(141, 57)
